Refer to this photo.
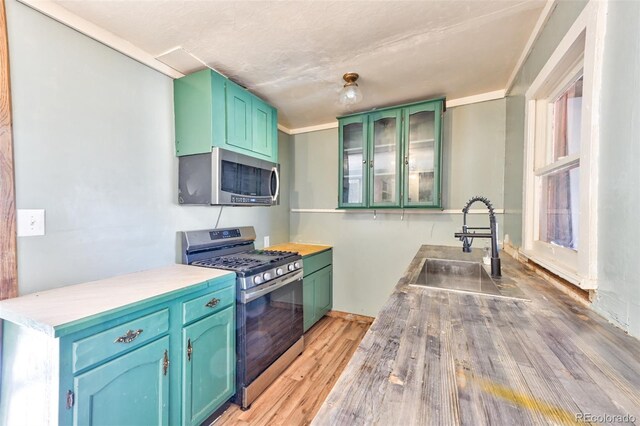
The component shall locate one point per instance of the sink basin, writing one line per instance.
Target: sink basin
(456, 275)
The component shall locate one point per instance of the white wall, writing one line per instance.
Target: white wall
(93, 134)
(370, 255)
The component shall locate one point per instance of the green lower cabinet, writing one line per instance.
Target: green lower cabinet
(317, 287)
(323, 292)
(208, 365)
(308, 296)
(168, 360)
(132, 389)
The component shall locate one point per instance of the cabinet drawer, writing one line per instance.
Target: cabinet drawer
(316, 262)
(208, 304)
(121, 338)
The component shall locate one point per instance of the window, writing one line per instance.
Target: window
(560, 190)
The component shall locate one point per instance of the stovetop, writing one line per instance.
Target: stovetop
(249, 262)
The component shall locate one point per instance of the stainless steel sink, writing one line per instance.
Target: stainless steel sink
(458, 276)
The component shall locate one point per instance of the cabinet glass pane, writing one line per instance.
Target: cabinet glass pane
(384, 161)
(352, 162)
(420, 157)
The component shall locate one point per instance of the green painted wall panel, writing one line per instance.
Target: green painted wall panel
(618, 294)
(371, 254)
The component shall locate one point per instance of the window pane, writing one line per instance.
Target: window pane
(567, 113)
(352, 158)
(420, 156)
(384, 161)
(559, 208)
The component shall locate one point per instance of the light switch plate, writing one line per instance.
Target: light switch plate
(30, 222)
(266, 241)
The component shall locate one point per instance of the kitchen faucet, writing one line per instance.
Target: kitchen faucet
(467, 237)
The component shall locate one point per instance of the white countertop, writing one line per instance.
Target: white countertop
(49, 310)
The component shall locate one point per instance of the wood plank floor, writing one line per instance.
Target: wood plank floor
(296, 396)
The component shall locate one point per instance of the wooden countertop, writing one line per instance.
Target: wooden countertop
(438, 357)
(302, 248)
(52, 310)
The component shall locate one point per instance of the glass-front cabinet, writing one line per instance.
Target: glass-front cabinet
(391, 158)
(353, 161)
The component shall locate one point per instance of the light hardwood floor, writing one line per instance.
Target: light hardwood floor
(296, 396)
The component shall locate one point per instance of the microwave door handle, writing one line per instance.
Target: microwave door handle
(274, 196)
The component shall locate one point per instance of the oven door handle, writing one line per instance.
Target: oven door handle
(248, 296)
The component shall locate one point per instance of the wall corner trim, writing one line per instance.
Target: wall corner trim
(65, 17)
(537, 30)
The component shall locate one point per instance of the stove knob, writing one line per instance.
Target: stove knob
(266, 276)
(291, 267)
(296, 265)
(279, 271)
(257, 279)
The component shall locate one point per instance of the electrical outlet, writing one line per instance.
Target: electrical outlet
(266, 241)
(30, 222)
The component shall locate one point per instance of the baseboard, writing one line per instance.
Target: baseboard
(351, 317)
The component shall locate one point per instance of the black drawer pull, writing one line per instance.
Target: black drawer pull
(212, 303)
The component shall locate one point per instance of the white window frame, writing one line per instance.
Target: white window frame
(580, 51)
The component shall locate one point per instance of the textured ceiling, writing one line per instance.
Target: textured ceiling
(293, 54)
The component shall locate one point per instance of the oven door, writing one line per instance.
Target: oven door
(269, 322)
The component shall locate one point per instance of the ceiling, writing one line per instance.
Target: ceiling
(294, 53)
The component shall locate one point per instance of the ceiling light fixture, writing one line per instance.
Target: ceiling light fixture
(350, 93)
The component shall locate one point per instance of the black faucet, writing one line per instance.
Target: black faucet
(467, 237)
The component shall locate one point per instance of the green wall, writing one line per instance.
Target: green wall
(93, 133)
(618, 295)
(370, 255)
(561, 19)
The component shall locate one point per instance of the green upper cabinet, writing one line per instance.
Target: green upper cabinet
(239, 122)
(213, 111)
(422, 145)
(391, 158)
(353, 178)
(384, 158)
(264, 128)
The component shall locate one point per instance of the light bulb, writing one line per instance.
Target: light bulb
(350, 94)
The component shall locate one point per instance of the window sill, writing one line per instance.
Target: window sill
(563, 271)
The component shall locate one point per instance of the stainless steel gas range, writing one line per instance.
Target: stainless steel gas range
(269, 321)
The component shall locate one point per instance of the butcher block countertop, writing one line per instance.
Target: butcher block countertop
(54, 312)
(435, 357)
(303, 249)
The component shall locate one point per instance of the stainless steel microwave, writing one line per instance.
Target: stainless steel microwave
(227, 178)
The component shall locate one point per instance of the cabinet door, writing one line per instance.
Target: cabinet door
(322, 292)
(239, 117)
(308, 306)
(262, 132)
(384, 158)
(422, 155)
(208, 365)
(132, 389)
(353, 162)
